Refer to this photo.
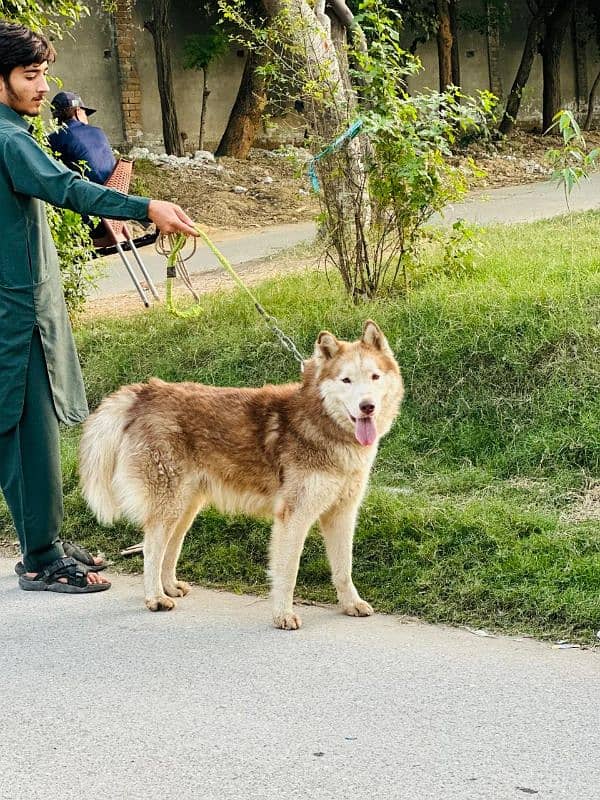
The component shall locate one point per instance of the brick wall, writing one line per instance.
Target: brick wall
(129, 79)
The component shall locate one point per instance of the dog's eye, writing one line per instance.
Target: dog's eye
(346, 380)
(375, 376)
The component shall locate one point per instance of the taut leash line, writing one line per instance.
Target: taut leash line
(177, 244)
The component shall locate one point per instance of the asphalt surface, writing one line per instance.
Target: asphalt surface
(506, 205)
(101, 698)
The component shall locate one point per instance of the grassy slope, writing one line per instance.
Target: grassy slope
(468, 517)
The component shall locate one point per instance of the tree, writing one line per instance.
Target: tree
(246, 114)
(198, 51)
(594, 11)
(545, 34)
(159, 27)
(555, 28)
(444, 43)
(381, 158)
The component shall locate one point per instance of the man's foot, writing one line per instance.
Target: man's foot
(65, 575)
(79, 553)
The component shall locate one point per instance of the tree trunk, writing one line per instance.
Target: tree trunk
(244, 120)
(444, 43)
(205, 93)
(343, 182)
(454, 54)
(580, 36)
(493, 48)
(556, 28)
(513, 102)
(159, 27)
(591, 101)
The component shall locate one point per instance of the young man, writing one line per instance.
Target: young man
(84, 148)
(40, 377)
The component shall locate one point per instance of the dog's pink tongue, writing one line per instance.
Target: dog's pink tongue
(365, 430)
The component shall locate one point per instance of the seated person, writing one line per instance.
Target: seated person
(83, 148)
(77, 141)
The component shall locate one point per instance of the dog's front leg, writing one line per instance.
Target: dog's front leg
(287, 541)
(337, 526)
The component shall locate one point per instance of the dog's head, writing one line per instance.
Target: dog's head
(359, 382)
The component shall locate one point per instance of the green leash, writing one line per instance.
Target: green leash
(175, 263)
(177, 244)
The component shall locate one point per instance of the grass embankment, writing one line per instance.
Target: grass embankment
(483, 508)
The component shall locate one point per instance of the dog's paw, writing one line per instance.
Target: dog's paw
(360, 608)
(177, 589)
(160, 603)
(287, 622)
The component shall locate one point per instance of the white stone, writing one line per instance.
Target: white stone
(239, 190)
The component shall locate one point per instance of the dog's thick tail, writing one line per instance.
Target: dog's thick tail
(99, 452)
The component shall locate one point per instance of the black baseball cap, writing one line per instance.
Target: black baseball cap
(64, 100)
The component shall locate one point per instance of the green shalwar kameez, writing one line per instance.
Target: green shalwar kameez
(40, 377)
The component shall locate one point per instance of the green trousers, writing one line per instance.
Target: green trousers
(30, 471)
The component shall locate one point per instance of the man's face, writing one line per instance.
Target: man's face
(25, 89)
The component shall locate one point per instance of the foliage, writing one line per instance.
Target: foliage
(51, 17)
(571, 162)
(200, 49)
(374, 207)
(411, 137)
(73, 244)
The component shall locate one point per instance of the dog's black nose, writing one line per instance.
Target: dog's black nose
(367, 407)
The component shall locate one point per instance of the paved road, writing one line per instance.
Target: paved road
(211, 703)
(238, 249)
(510, 204)
(525, 203)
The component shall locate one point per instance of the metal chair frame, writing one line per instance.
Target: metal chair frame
(118, 232)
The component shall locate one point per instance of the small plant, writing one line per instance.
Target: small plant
(571, 162)
(198, 51)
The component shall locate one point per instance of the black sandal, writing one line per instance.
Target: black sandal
(75, 551)
(68, 568)
(79, 553)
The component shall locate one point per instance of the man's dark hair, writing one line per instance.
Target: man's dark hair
(20, 47)
(65, 114)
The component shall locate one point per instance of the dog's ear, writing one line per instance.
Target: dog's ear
(326, 345)
(373, 336)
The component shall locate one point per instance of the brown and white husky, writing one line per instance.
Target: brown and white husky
(157, 453)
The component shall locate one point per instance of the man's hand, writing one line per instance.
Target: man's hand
(170, 218)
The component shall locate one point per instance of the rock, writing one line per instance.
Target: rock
(140, 152)
(203, 155)
(239, 190)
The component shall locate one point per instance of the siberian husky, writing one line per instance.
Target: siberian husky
(156, 453)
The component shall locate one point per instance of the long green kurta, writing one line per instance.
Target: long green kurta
(30, 284)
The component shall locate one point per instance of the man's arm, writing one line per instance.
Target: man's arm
(34, 173)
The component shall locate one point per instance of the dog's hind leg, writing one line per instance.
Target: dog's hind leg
(337, 526)
(157, 535)
(173, 587)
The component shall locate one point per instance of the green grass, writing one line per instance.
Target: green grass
(470, 519)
